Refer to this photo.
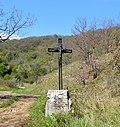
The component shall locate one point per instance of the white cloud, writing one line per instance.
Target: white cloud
(4, 36)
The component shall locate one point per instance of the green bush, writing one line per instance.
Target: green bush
(7, 77)
(3, 66)
(5, 69)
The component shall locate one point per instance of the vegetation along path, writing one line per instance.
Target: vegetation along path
(16, 113)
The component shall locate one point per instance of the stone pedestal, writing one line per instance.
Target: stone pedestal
(58, 102)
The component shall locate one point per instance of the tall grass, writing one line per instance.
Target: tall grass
(84, 113)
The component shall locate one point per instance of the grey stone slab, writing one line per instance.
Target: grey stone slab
(58, 102)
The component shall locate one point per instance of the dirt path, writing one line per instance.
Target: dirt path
(13, 115)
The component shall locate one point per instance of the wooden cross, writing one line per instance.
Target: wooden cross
(60, 51)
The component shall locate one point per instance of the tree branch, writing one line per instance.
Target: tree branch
(15, 22)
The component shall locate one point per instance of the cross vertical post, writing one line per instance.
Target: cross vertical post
(60, 63)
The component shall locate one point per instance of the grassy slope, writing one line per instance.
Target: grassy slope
(98, 101)
(49, 81)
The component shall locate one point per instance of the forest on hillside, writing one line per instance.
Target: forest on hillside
(27, 59)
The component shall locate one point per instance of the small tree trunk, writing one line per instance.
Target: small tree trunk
(84, 82)
(95, 75)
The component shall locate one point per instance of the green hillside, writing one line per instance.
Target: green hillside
(95, 104)
(91, 73)
(23, 61)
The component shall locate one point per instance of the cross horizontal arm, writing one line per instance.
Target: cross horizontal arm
(53, 49)
(66, 51)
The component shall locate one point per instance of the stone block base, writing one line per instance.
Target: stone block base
(58, 102)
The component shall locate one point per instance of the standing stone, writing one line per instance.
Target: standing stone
(58, 102)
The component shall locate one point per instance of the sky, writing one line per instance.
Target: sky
(60, 16)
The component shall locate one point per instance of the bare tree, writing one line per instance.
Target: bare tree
(80, 40)
(90, 40)
(13, 22)
(85, 42)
